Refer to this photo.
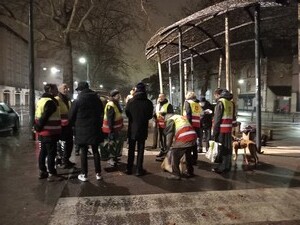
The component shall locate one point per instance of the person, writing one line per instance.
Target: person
(206, 120)
(185, 141)
(162, 108)
(224, 116)
(139, 111)
(130, 96)
(155, 130)
(66, 137)
(113, 120)
(86, 115)
(192, 111)
(48, 127)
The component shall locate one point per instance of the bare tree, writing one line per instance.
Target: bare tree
(93, 26)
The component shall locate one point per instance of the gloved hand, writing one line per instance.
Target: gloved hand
(111, 136)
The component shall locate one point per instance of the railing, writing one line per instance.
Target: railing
(272, 117)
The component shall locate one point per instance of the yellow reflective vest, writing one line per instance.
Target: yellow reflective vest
(53, 125)
(227, 118)
(184, 132)
(64, 110)
(196, 111)
(118, 120)
(160, 120)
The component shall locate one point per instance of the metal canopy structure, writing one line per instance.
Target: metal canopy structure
(231, 29)
(203, 33)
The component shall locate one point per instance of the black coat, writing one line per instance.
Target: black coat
(139, 111)
(86, 115)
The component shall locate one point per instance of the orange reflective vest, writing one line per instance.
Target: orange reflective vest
(196, 111)
(160, 120)
(184, 132)
(118, 120)
(64, 110)
(53, 125)
(227, 118)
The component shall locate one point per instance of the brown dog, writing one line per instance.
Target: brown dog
(245, 144)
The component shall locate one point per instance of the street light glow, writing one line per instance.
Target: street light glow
(82, 60)
(54, 70)
(241, 81)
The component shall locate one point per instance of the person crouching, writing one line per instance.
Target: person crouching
(185, 141)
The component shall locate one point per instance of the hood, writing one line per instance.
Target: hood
(226, 94)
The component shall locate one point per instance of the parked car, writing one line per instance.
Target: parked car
(9, 118)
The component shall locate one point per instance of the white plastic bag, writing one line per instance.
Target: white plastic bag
(213, 151)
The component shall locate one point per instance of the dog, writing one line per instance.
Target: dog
(246, 145)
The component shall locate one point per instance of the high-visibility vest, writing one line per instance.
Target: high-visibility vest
(53, 125)
(164, 109)
(184, 132)
(227, 117)
(118, 120)
(64, 110)
(196, 111)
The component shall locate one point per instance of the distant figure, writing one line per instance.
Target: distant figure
(222, 129)
(162, 108)
(139, 111)
(48, 126)
(206, 120)
(66, 137)
(185, 141)
(86, 115)
(131, 94)
(192, 111)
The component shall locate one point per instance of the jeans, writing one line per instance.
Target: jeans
(84, 161)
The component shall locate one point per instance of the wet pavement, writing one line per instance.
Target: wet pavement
(267, 194)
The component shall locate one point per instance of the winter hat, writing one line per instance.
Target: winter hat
(82, 85)
(140, 87)
(114, 92)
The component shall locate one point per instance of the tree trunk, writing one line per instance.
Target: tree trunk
(68, 64)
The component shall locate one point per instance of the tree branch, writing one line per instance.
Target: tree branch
(85, 16)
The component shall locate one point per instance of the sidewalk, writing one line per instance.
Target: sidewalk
(268, 194)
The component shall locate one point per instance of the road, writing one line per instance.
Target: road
(267, 194)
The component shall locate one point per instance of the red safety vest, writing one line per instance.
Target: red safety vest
(160, 120)
(196, 111)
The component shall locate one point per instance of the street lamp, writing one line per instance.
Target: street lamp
(83, 60)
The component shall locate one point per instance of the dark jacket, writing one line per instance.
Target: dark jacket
(139, 111)
(86, 115)
(206, 117)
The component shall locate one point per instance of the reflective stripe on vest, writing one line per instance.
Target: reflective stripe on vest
(64, 110)
(118, 120)
(53, 125)
(196, 111)
(227, 118)
(184, 132)
(160, 120)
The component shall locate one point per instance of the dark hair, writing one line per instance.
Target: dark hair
(218, 91)
(49, 87)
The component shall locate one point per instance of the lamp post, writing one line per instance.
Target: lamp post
(83, 60)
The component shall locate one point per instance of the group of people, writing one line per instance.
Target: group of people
(201, 121)
(57, 120)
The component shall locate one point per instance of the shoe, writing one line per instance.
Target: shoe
(216, 170)
(43, 175)
(140, 173)
(111, 163)
(82, 177)
(54, 178)
(98, 176)
(161, 154)
(68, 165)
(174, 177)
(188, 175)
